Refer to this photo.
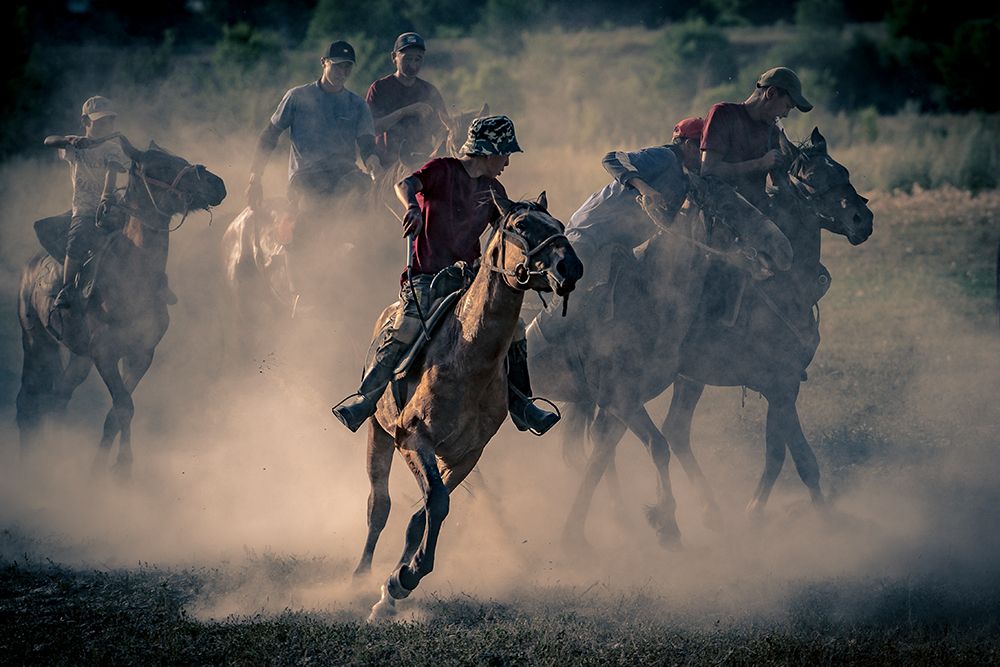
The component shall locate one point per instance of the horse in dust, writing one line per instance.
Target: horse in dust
(458, 398)
(256, 261)
(621, 346)
(119, 325)
(773, 339)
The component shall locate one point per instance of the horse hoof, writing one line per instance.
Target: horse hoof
(384, 609)
(668, 533)
(711, 518)
(575, 541)
(122, 472)
(362, 571)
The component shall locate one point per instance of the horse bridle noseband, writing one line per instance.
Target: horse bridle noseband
(522, 272)
(169, 188)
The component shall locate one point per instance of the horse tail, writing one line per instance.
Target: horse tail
(577, 418)
(42, 365)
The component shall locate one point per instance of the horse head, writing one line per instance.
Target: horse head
(754, 234)
(825, 185)
(168, 184)
(533, 252)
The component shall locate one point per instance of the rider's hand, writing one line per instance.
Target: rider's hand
(413, 221)
(254, 192)
(653, 201)
(422, 110)
(771, 159)
(81, 143)
(374, 166)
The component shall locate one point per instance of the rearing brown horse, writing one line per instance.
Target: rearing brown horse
(125, 316)
(460, 397)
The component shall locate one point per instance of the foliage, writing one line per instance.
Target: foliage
(696, 56)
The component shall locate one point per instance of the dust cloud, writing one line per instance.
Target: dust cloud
(241, 470)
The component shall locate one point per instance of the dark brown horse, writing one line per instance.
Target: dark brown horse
(775, 336)
(770, 352)
(621, 345)
(459, 397)
(118, 327)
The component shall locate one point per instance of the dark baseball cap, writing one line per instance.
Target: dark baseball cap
(409, 40)
(788, 81)
(341, 52)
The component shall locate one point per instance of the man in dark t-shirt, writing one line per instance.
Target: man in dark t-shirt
(407, 110)
(739, 144)
(449, 203)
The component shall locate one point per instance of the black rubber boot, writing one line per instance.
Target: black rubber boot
(525, 415)
(355, 410)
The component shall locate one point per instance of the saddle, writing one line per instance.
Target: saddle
(53, 234)
(446, 289)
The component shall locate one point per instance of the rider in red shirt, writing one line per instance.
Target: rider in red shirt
(739, 144)
(449, 205)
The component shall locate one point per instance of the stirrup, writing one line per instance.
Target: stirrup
(343, 412)
(530, 400)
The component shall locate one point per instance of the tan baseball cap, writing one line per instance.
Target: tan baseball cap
(98, 107)
(788, 81)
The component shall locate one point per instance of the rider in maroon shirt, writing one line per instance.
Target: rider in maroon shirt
(739, 144)
(449, 205)
(408, 111)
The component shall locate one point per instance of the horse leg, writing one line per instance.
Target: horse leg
(774, 459)
(677, 430)
(134, 367)
(122, 408)
(802, 453)
(40, 368)
(606, 432)
(662, 515)
(76, 372)
(379, 463)
(425, 524)
(576, 416)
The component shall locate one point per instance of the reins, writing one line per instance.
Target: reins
(522, 273)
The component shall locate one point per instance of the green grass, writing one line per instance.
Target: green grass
(54, 615)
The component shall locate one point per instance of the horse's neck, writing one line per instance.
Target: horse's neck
(802, 229)
(487, 318)
(151, 246)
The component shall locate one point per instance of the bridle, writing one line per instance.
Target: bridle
(148, 182)
(522, 273)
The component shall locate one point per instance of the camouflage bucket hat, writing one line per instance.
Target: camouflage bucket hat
(491, 135)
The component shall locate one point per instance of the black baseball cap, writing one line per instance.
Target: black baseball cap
(409, 40)
(340, 52)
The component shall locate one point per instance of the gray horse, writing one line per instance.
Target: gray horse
(623, 338)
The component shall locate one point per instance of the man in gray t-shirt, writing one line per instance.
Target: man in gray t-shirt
(327, 125)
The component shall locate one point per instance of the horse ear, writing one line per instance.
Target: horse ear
(503, 204)
(543, 201)
(818, 140)
(485, 111)
(131, 151)
(785, 146)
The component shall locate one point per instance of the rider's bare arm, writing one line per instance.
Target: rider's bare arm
(421, 109)
(712, 164)
(406, 192)
(266, 143)
(57, 141)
